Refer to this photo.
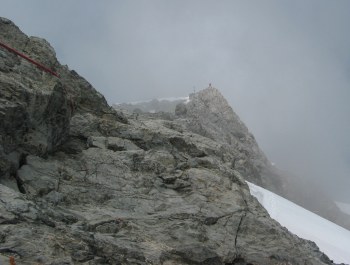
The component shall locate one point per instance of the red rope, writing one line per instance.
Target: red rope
(29, 59)
(12, 260)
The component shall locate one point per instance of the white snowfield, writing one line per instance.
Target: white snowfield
(332, 239)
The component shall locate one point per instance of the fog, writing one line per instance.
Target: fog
(282, 65)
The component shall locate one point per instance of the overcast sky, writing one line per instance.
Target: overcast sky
(284, 66)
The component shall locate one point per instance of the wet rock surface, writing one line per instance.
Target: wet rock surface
(82, 183)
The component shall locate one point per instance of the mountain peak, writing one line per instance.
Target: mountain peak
(209, 114)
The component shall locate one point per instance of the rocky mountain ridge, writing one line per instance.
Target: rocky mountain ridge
(81, 183)
(208, 113)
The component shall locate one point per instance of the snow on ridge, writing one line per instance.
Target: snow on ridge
(332, 239)
(175, 99)
(171, 99)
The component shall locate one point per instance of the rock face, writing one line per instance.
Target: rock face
(82, 183)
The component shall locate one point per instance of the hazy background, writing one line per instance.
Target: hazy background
(284, 66)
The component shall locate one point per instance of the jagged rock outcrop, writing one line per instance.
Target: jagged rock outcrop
(35, 107)
(82, 184)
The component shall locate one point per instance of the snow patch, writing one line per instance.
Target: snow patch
(332, 239)
(170, 99)
(175, 99)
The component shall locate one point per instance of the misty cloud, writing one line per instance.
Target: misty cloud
(283, 65)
